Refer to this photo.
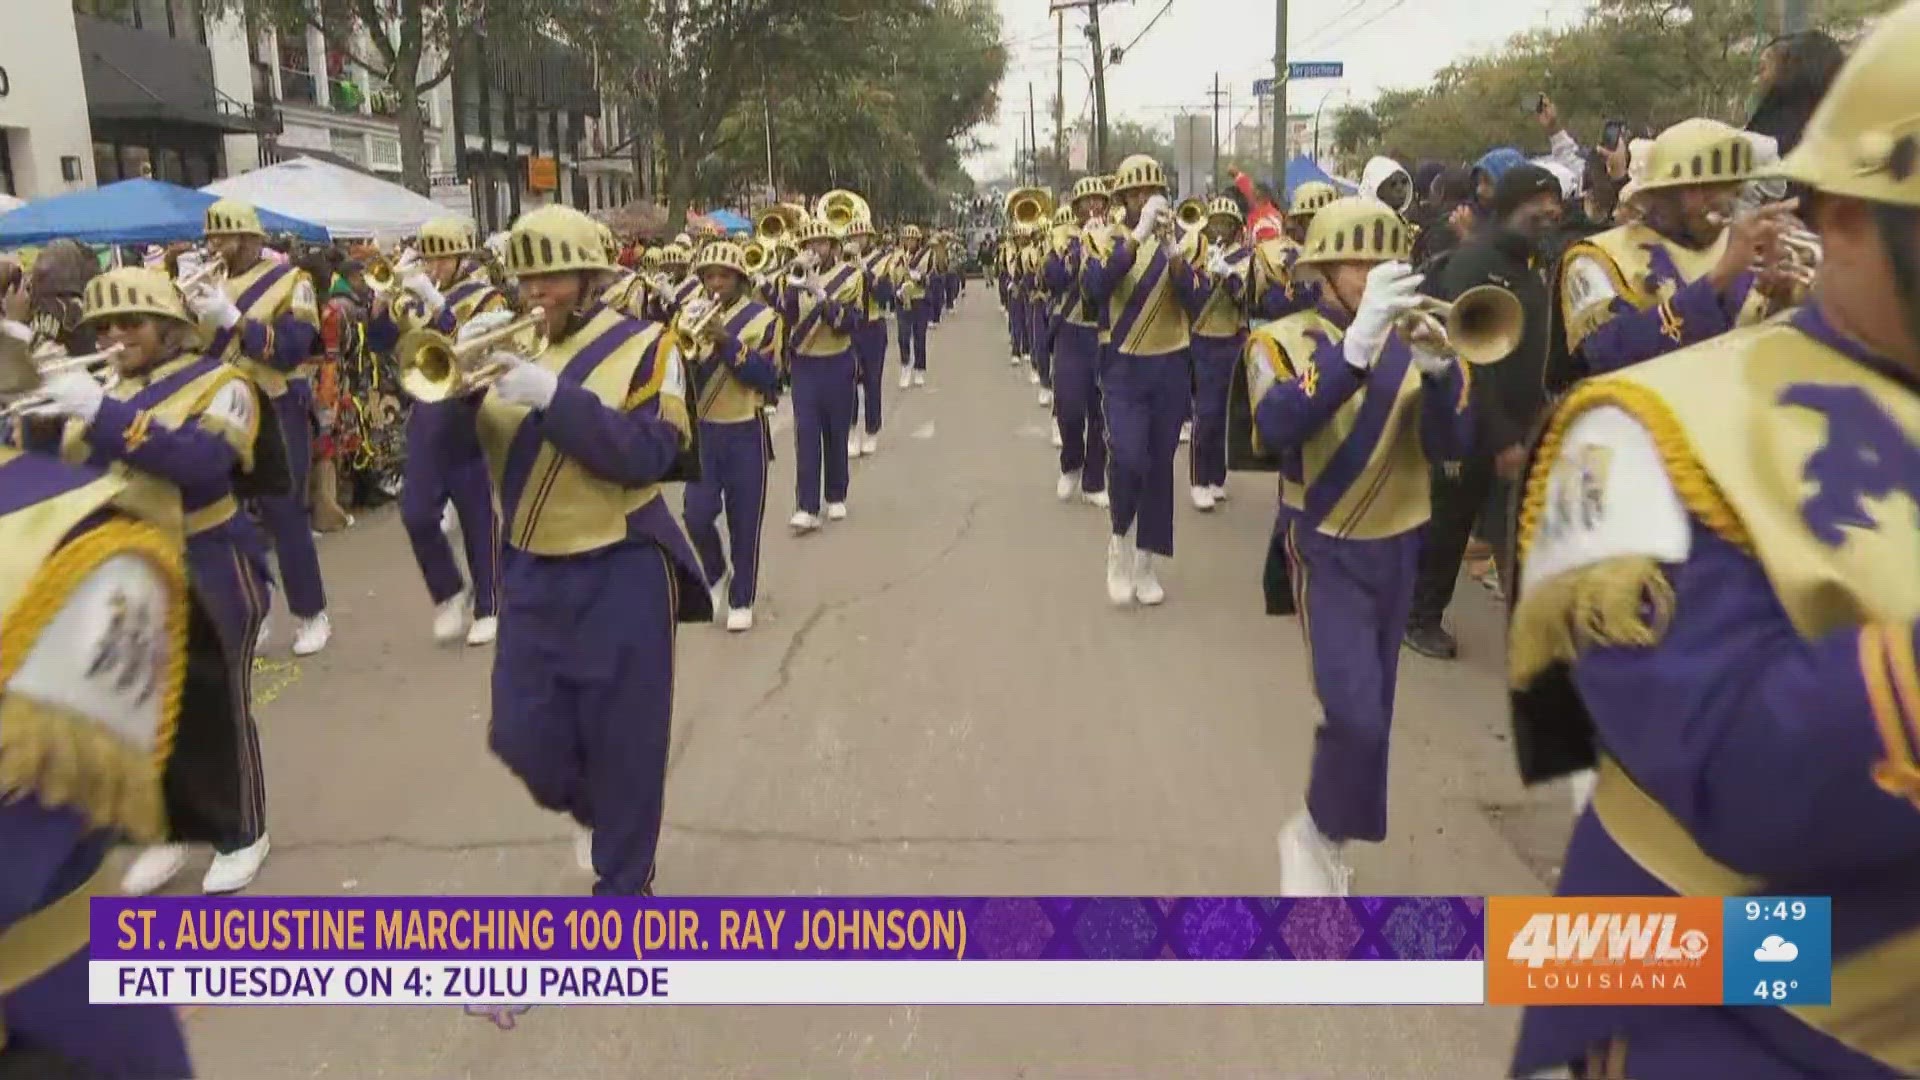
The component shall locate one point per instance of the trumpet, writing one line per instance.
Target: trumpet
(1483, 326)
(21, 377)
(435, 367)
(213, 271)
(698, 320)
(1797, 252)
(755, 255)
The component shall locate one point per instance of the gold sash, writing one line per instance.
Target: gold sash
(724, 399)
(156, 497)
(266, 308)
(1222, 315)
(1625, 256)
(1161, 325)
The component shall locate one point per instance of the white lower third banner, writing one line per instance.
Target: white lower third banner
(788, 982)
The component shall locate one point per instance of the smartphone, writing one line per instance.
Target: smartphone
(1611, 135)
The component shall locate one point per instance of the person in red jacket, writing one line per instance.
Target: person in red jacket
(1265, 220)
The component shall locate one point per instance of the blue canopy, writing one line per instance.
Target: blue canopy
(730, 221)
(1303, 168)
(129, 212)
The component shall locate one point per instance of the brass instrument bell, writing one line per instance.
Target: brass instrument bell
(1481, 326)
(755, 255)
(1030, 206)
(840, 208)
(436, 367)
(22, 376)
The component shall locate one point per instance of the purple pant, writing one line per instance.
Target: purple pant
(431, 481)
(50, 1015)
(870, 349)
(1076, 405)
(936, 298)
(285, 516)
(822, 415)
(583, 696)
(227, 569)
(1017, 327)
(733, 478)
(912, 321)
(1213, 362)
(1146, 402)
(1353, 597)
(1038, 323)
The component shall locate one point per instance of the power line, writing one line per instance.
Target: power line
(1128, 47)
(1384, 12)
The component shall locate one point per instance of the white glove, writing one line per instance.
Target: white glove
(70, 393)
(209, 304)
(915, 276)
(18, 331)
(525, 383)
(1431, 362)
(422, 287)
(1393, 289)
(1149, 217)
(484, 324)
(1217, 263)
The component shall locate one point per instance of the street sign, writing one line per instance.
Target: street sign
(1310, 69)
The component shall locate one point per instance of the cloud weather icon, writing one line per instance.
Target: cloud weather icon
(1776, 950)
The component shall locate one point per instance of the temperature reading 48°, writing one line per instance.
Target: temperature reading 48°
(1776, 990)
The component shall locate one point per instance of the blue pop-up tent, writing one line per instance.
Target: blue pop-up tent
(129, 212)
(1303, 168)
(730, 222)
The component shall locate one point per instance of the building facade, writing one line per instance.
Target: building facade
(45, 137)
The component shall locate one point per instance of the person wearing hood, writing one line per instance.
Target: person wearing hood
(1489, 169)
(1447, 193)
(1384, 179)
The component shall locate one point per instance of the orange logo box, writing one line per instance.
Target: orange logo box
(1603, 950)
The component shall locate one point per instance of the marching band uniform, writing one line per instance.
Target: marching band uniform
(870, 339)
(1009, 270)
(626, 291)
(181, 429)
(442, 467)
(97, 601)
(1039, 311)
(1729, 632)
(1355, 414)
(1076, 357)
(1143, 382)
(1632, 293)
(1219, 308)
(267, 323)
(956, 274)
(820, 318)
(734, 374)
(595, 571)
(911, 273)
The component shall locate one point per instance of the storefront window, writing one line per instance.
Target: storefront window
(106, 163)
(201, 170)
(168, 166)
(134, 162)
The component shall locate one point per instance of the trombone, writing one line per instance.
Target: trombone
(435, 367)
(1482, 326)
(21, 376)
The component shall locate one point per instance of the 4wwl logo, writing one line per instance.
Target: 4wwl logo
(1603, 951)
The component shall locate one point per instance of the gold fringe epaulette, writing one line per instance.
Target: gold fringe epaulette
(1620, 602)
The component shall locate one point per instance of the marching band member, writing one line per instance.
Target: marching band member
(736, 367)
(96, 601)
(1717, 605)
(1309, 199)
(1219, 331)
(913, 306)
(821, 313)
(936, 277)
(1076, 354)
(956, 270)
(673, 269)
(1355, 414)
(595, 572)
(1143, 281)
(182, 426)
(266, 320)
(1009, 271)
(626, 292)
(1681, 274)
(1039, 311)
(440, 470)
(870, 337)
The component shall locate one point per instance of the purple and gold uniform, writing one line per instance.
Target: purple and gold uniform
(595, 572)
(819, 336)
(1718, 606)
(735, 375)
(870, 337)
(1076, 354)
(97, 610)
(1354, 447)
(1039, 305)
(1219, 308)
(912, 271)
(1277, 291)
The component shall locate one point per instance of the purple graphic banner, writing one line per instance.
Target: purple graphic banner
(787, 928)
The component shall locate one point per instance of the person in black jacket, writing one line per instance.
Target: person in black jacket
(1795, 71)
(1505, 251)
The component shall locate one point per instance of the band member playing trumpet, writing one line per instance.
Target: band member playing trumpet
(911, 273)
(1355, 411)
(1682, 273)
(265, 319)
(821, 310)
(870, 338)
(182, 427)
(595, 571)
(1009, 269)
(1717, 605)
(443, 290)
(676, 284)
(626, 293)
(1076, 353)
(96, 615)
(1039, 305)
(1143, 281)
(735, 358)
(1219, 307)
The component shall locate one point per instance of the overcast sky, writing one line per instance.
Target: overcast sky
(1384, 43)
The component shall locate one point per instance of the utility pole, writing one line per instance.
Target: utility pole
(1033, 139)
(1060, 101)
(1099, 163)
(1280, 99)
(1218, 95)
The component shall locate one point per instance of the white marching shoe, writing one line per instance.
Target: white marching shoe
(153, 868)
(313, 635)
(1033, 377)
(740, 619)
(906, 378)
(1146, 583)
(1219, 493)
(583, 850)
(919, 377)
(1014, 359)
(1186, 432)
(719, 596)
(870, 445)
(1044, 398)
(1119, 570)
(801, 521)
(1310, 863)
(1058, 442)
(1068, 484)
(483, 631)
(1098, 498)
(853, 444)
(450, 619)
(836, 511)
(449, 520)
(1202, 497)
(236, 869)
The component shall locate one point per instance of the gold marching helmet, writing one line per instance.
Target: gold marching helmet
(911, 232)
(650, 259)
(1354, 229)
(814, 229)
(1312, 197)
(1226, 208)
(724, 254)
(231, 217)
(675, 255)
(1139, 171)
(444, 238)
(609, 242)
(1698, 151)
(555, 240)
(1087, 187)
(133, 290)
(1863, 142)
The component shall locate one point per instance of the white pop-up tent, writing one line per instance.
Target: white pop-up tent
(347, 203)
